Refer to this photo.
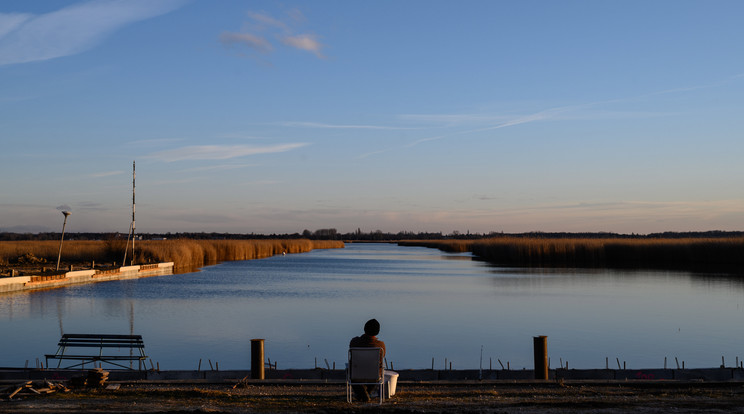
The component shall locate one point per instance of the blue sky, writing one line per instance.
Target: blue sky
(275, 117)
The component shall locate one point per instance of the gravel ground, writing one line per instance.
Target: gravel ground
(659, 397)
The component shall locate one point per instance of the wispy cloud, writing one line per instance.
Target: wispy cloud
(454, 119)
(71, 30)
(223, 167)
(586, 111)
(262, 31)
(252, 41)
(306, 42)
(106, 174)
(152, 142)
(220, 152)
(11, 21)
(262, 21)
(339, 126)
(369, 154)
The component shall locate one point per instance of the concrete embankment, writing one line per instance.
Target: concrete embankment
(406, 375)
(23, 283)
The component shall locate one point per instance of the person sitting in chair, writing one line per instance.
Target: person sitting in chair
(368, 340)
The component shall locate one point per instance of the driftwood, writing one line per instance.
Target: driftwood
(32, 388)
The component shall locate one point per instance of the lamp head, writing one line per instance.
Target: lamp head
(66, 213)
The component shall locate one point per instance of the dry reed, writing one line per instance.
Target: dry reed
(185, 253)
(701, 254)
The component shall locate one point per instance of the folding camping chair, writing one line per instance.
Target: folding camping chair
(365, 368)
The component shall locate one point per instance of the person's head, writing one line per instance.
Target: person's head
(372, 327)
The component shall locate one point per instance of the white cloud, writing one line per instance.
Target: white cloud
(71, 30)
(306, 42)
(220, 152)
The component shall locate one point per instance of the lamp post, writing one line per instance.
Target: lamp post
(59, 256)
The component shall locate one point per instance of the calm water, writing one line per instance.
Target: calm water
(430, 304)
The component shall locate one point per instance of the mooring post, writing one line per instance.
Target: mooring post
(257, 359)
(541, 357)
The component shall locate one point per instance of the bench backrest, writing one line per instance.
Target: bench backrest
(101, 341)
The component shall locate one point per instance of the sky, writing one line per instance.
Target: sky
(421, 115)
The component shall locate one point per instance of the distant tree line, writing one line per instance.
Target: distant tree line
(359, 235)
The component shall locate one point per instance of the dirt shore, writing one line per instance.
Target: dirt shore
(484, 397)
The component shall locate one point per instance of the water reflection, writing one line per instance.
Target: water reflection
(431, 305)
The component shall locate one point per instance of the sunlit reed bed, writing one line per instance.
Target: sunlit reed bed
(709, 254)
(185, 253)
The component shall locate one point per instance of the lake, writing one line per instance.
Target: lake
(431, 305)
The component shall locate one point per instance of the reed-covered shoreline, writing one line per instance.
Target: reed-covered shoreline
(185, 253)
(695, 254)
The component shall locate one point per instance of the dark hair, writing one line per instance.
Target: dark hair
(372, 327)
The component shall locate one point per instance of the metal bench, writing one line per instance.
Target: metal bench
(131, 343)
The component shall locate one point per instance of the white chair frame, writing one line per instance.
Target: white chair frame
(364, 368)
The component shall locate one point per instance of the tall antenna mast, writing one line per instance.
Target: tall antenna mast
(133, 227)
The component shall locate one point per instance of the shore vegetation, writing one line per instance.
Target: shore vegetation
(184, 253)
(696, 254)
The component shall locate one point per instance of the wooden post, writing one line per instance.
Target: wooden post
(541, 357)
(257, 358)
